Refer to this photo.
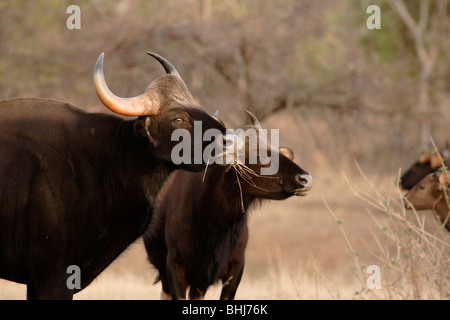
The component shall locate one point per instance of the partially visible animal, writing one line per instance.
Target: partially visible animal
(432, 193)
(77, 188)
(199, 232)
(427, 163)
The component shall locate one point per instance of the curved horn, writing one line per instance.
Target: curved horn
(216, 117)
(170, 69)
(142, 105)
(255, 121)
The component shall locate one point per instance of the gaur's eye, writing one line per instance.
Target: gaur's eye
(421, 187)
(178, 120)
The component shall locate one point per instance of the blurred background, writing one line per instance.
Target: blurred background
(360, 94)
(341, 94)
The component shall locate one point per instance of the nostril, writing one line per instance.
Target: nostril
(305, 180)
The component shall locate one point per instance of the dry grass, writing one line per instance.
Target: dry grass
(315, 247)
(413, 251)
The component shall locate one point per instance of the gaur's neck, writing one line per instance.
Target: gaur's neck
(137, 165)
(230, 202)
(132, 179)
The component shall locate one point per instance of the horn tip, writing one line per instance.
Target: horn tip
(249, 113)
(99, 64)
(253, 118)
(154, 55)
(168, 67)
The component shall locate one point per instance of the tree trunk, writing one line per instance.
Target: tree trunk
(427, 53)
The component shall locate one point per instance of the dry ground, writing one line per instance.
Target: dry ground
(296, 251)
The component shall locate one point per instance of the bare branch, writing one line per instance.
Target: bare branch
(424, 14)
(401, 9)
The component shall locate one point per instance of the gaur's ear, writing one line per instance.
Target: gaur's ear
(435, 160)
(142, 129)
(424, 157)
(288, 153)
(443, 179)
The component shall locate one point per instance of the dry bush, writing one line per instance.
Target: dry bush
(413, 253)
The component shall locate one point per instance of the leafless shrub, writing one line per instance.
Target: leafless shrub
(413, 253)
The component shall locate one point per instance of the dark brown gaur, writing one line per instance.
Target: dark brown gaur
(77, 188)
(199, 232)
(432, 193)
(427, 163)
